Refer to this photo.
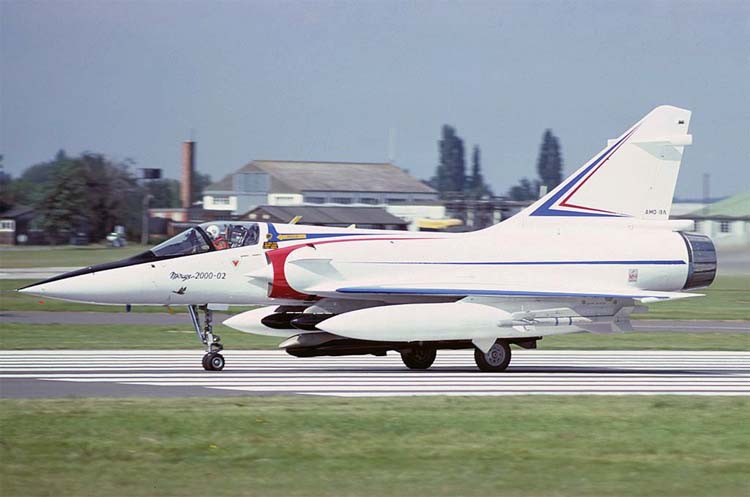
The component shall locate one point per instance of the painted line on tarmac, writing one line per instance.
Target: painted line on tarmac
(274, 372)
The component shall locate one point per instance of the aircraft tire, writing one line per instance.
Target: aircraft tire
(419, 357)
(213, 362)
(206, 364)
(494, 361)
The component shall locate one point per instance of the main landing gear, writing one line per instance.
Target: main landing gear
(495, 360)
(418, 357)
(213, 360)
(422, 355)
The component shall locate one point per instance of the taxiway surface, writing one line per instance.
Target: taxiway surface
(123, 373)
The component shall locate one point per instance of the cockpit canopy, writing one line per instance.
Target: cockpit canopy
(208, 237)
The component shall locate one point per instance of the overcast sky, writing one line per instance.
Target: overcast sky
(324, 80)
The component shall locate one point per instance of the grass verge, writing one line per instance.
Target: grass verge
(727, 298)
(65, 256)
(647, 341)
(281, 446)
(17, 336)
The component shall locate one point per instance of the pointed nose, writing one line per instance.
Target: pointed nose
(80, 288)
(32, 290)
(103, 287)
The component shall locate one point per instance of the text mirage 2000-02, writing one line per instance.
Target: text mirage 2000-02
(582, 258)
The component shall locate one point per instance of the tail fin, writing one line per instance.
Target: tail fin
(633, 176)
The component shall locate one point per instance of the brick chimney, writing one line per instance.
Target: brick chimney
(188, 166)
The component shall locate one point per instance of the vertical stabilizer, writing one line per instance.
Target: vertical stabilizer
(633, 176)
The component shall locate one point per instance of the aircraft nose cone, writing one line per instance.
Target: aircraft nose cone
(32, 290)
(70, 288)
(98, 288)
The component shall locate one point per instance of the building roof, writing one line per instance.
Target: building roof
(735, 206)
(17, 211)
(299, 176)
(328, 215)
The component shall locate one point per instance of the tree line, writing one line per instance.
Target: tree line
(89, 193)
(92, 193)
(451, 179)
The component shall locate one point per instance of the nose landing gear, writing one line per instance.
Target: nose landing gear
(213, 360)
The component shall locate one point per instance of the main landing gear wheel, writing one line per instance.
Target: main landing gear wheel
(494, 361)
(419, 357)
(213, 360)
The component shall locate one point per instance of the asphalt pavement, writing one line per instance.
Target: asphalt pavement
(122, 373)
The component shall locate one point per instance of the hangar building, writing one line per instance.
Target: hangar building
(298, 183)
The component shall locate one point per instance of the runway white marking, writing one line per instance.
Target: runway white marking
(454, 373)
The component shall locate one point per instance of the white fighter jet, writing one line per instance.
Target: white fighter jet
(582, 258)
(208, 267)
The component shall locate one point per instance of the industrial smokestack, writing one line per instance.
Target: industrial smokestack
(188, 167)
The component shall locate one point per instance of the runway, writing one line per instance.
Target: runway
(179, 373)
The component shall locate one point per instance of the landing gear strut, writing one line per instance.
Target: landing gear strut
(213, 360)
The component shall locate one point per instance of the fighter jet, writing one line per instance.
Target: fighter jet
(207, 267)
(582, 258)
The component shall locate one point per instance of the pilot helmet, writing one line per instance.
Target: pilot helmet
(213, 231)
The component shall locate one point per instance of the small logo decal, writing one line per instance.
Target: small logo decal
(633, 275)
(181, 291)
(235, 262)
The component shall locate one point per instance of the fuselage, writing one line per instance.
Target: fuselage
(192, 268)
(289, 263)
(575, 255)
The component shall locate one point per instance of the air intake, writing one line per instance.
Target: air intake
(701, 260)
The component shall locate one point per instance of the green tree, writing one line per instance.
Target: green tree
(93, 194)
(548, 166)
(451, 171)
(165, 192)
(549, 163)
(64, 207)
(475, 186)
(200, 182)
(6, 197)
(31, 187)
(525, 190)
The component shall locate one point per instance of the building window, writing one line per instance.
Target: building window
(7, 225)
(395, 201)
(369, 201)
(341, 200)
(724, 227)
(221, 200)
(315, 200)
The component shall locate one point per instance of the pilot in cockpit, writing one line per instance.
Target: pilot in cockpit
(217, 237)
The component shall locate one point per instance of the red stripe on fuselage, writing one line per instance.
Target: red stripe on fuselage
(281, 289)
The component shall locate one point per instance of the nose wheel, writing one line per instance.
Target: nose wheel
(213, 360)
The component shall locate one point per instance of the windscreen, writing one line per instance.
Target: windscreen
(189, 242)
